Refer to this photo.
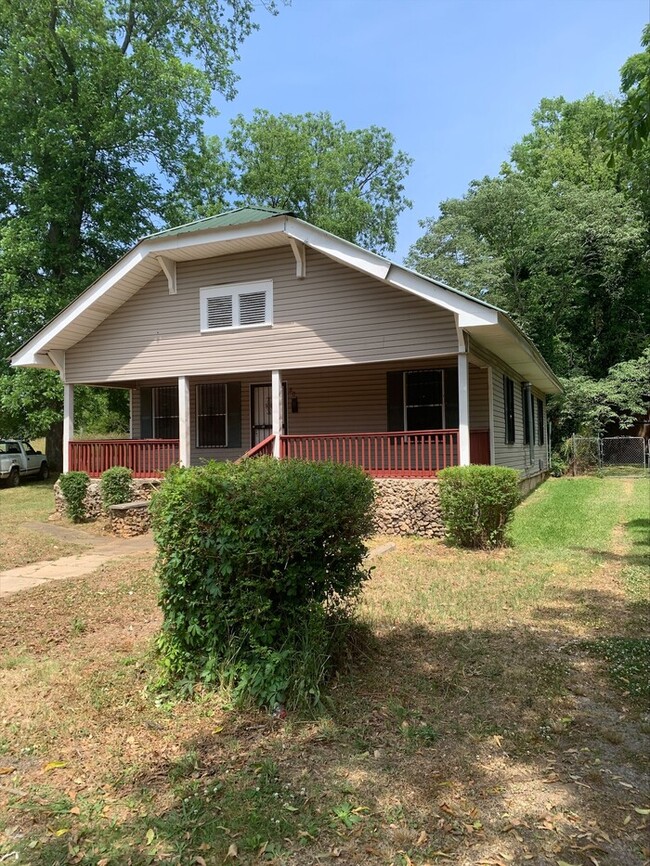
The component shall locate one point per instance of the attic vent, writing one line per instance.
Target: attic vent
(239, 305)
(252, 308)
(219, 312)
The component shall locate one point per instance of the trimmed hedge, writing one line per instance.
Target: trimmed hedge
(260, 564)
(74, 486)
(115, 486)
(478, 503)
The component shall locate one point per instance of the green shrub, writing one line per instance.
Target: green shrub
(73, 487)
(478, 503)
(558, 466)
(260, 564)
(115, 486)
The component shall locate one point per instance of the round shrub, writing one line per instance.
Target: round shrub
(115, 486)
(260, 564)
(74, 486)
(478, 503)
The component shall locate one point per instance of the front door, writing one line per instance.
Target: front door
(262, 412)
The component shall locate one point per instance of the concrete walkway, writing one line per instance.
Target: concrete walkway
(102, 550)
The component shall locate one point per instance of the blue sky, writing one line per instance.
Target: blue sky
(455, 81)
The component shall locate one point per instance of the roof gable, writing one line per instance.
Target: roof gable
(255, 228)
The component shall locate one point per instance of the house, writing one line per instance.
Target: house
(255, 332)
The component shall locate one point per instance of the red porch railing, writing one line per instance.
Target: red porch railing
(147, 458)
(262, 449)
(417, 454)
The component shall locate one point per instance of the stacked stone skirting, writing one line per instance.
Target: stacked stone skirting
(130, 518)
(141, 489)
(403, 506)
(408, 506)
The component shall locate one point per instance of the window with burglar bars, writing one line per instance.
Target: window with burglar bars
(165, 412)
(211, 415)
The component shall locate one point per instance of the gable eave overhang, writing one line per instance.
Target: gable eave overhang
(491, 326)
(130, 273)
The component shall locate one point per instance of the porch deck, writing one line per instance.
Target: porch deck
(398, 454)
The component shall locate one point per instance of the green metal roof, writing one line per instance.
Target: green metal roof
(239, 216)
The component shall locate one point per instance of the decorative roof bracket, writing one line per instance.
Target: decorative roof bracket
(169, 269)
(301, 258)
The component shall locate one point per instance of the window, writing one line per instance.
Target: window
(238, 305)
(540, 422)
(423, 399)
(211, 416)
(509, 409)
(218, 415)
(165, 412)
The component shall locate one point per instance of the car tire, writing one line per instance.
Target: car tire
(44, 472)
(14, 478)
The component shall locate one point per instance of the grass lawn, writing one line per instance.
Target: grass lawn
(494, 716)
(32, 501)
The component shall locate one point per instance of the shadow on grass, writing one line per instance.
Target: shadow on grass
(438, 733)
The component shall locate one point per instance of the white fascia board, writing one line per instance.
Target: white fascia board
(337, 249)
(27, 355)
(470, 313)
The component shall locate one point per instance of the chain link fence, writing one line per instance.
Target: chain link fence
(612, 455)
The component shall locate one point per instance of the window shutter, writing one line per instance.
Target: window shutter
(219, 312)
(252, 308)
(234, 414)
(146, 414)
(451, 397)
(395, 400)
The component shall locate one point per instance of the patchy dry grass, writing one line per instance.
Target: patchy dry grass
(32, 501)
(472, 726)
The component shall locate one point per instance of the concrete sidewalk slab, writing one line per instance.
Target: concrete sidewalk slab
(103, 549)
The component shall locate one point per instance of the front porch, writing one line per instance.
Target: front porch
(363, 415)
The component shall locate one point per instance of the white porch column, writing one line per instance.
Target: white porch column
(68, 423)
(184, 436)
(276, 410)
(463, 410)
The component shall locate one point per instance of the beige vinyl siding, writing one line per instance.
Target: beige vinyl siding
(517, 454)
(335, 316)
(479, 404)
(331, 400)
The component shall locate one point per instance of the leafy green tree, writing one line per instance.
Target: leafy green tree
(347, 181)
(559, 239)
(101, 116)
(633, 127)
(590, 406)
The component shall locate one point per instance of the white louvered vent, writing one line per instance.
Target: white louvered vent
(236, 305)
(219, 312)
(252, 308)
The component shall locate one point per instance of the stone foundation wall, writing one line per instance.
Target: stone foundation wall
(141, 489)
(408, 506)
(129, 519)
(403, 506)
